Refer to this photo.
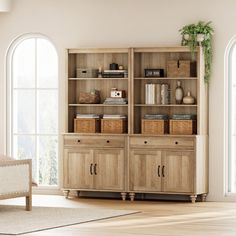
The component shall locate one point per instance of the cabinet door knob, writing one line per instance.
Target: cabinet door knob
(145, 142)
(78, 141)
(176, 142)
(108, 141)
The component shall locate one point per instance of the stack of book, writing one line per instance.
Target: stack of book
(105, 116)
(156, 117)
(115, 74)
(157, 94)
(87, 116)
(116, 101)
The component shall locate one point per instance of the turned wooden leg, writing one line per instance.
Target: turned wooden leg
(131, 195)
(193, 198)
(123, 196)
(66, 193)
(28, 203)
(203, 197)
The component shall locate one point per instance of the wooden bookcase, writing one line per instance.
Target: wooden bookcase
(132, 162)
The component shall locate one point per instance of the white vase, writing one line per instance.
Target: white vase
(186, 37)
(188, 99)
(200, 38)
(179, 93)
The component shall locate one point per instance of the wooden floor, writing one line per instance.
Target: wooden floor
(156, 218)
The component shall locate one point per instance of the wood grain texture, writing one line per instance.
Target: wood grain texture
(109, 169)
(161, 218)
(178, 171)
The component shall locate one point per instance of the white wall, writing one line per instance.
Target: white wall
(124, 23)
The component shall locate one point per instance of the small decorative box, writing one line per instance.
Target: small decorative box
(154, 72)
(180, 68)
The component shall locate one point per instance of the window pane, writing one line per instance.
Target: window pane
(47, 111)
(232, 124)
(23, 111)
(48, 163)
(46, 65)
(23, 68)
(24, 148)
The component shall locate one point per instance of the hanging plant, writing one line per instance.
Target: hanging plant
(199, 34)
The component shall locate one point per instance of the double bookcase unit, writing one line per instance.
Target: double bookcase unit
(133, 162)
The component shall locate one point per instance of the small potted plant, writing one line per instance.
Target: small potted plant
(199, 34)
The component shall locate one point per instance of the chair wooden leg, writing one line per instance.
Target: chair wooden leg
(28, 203)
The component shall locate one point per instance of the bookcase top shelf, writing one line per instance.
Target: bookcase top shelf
(167, 105)
(85, 79)
(98, 105)
(165, 78)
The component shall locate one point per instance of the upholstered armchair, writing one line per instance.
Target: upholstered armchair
(16, 179)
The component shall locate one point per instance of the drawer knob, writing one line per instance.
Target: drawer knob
(108, 141)
(145, 142)
(176, 142)
(78, 141)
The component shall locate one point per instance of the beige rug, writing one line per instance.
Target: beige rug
(15, 220)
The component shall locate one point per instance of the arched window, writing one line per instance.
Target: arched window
(32, 129)
(230, 118)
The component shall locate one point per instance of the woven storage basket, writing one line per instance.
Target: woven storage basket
(86, 73)
(187, 127)
(155, 126)
(179, 68)
(88, 98)
(89, 125)
(115, 126)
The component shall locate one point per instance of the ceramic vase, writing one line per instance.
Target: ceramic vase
(179, 93)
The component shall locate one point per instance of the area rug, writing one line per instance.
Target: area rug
(14, 220)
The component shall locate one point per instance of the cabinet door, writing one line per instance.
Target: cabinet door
(178, 171)
(109, 169)
(145, 170)
(78, 165)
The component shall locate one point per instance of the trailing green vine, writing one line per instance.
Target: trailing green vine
(190, 37)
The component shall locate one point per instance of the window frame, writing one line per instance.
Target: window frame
(228, 117)
(9, 101)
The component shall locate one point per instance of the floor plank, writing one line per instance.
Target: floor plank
(159, 218)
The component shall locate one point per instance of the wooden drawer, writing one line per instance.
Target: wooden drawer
(94, 141)
(162, 142)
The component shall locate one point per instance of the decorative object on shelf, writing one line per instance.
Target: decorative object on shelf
(178, 68)
(100, 72)
(121, 67)
(115, 101)
(114, 66)
(154, 72)
(165, 94)
(179, 93)
(115, 93)
(86, 73)
(188, 99)
(90, 98)
(115, 74)
(199, 34)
